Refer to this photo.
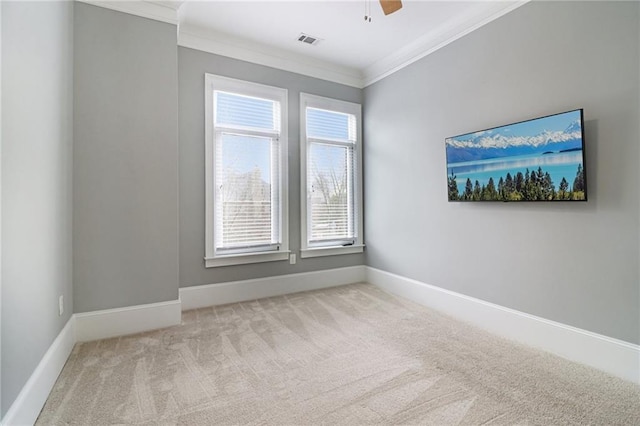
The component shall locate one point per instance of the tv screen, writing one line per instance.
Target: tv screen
(535, 160)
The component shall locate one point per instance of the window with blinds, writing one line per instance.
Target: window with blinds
(247, 204)
(332, 179)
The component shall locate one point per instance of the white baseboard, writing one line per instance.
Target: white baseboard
(26, 408)
(84, 327)
(616, 357)
(240, 291)
(129, 320)
(107, 323)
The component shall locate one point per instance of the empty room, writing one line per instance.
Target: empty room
(320, 212)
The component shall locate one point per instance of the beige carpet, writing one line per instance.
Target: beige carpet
(347, 355)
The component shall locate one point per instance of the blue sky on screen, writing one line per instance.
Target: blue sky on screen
(556, 127)
(534, 127)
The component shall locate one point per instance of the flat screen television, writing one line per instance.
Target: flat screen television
(535, 160)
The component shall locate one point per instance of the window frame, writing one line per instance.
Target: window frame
(244, 88)
(310, 250)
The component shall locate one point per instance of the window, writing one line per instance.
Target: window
(331, 172)
(246, 170)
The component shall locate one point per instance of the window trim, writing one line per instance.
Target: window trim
(247, 88)
(320, 102)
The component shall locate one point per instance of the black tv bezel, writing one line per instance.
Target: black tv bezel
(584, 160)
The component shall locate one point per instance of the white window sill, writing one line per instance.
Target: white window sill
(331, 251)
(246, 258)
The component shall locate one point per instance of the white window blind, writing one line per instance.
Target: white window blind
(332, 187)
(247, 146)
(246, 112)
(331, 138)
(247, 208)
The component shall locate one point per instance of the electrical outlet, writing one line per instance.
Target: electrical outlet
(292, 259)
(60, 305)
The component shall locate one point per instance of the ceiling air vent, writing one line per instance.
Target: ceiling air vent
(306, 38)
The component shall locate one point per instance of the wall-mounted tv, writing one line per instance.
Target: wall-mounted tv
(535, 160)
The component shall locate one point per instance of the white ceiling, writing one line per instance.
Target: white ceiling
(352, 51)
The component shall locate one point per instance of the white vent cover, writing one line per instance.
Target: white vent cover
(308, 39)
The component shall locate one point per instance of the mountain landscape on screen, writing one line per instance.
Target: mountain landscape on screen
(536, 160)
(499, 143)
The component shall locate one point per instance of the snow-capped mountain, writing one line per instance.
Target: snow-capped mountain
(499, 143)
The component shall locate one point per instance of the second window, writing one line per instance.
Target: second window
(331, 176)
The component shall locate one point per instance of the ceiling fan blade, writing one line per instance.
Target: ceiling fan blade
(390, 6)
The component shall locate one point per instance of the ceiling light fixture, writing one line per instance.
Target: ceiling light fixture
(388, 7)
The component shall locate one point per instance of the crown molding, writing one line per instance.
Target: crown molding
(158, 11)
(232, 47)
(434, 41)
(223, 44)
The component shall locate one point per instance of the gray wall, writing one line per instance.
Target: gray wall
(37, 110)
(125, 160)
(573, 263)
(192, 66)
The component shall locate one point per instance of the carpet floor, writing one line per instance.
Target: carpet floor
(346, 355)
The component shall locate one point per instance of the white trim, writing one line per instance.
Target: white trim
(429, 43)
(84, 327)
(246, 258)
(330, 104)
(331, 251)
(144, 9)
(128, 320)
(245, 88)
(1, 214)
(240, 291)
(211, 41)
(616, 357)
(231, 47)
(26, 407)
